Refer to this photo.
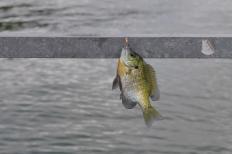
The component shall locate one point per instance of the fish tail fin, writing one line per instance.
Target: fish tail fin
(150, 114)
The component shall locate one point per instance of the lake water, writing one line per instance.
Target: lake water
(115, 18)
(65, 106)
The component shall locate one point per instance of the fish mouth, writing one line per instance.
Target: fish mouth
(124, 52)
(124, 56)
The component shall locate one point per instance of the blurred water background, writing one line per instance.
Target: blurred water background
(115, 18)
(65, 106)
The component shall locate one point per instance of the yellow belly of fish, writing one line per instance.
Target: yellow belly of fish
(122, 69)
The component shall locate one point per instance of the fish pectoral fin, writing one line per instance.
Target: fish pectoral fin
(127, 103)
(115, 83)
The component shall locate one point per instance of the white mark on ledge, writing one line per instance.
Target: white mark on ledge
(208, 47)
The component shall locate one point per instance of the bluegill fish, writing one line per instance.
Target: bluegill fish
(137, 82)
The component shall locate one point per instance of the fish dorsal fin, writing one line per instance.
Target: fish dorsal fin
(152, 81)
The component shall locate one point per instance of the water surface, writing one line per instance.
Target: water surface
(115, 18)
(66, 106)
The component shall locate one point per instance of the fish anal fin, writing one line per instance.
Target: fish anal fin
(127, 103)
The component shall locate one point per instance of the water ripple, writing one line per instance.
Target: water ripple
(67, 106)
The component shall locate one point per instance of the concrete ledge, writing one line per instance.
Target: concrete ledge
(110, 47)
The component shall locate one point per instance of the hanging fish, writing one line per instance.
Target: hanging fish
(137, 82)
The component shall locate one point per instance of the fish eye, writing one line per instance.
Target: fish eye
(132, 55)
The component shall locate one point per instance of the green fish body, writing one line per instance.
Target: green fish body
(137, 82)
